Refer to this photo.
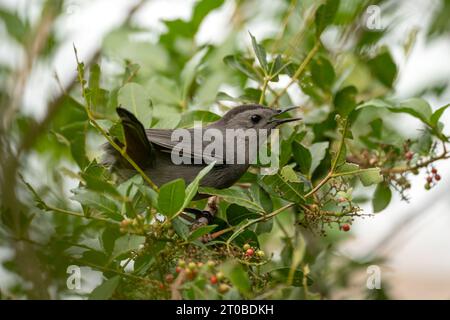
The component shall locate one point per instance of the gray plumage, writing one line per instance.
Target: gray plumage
(151, 148)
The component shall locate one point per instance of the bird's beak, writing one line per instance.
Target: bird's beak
(285, 120)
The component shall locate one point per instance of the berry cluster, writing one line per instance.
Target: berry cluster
(432, 178)
(252, 253)
(196, 270)
(135, 225)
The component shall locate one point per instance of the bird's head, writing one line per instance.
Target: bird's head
(254, 116)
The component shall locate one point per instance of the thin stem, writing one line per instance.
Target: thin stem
(319, 185)
(397, 170)
(262, 218)
(76, 214)
(263, 91)
(93, 121)
(333, 164)
(299, 71)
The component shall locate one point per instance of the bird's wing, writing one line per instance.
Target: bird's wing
(137, 145)
(163, 139)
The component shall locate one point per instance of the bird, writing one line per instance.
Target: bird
(152, 149)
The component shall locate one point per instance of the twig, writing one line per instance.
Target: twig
(79, 215)
(175, 287)
(298, 73)
(334, 162)
(93, 121)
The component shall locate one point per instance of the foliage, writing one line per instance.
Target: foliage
(273, 236)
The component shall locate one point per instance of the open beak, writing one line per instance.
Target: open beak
(285, 120)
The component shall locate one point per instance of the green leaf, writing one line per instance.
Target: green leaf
(202, 9)
(347, 167)
(163, 90)
(261, 197)
(302, 157)
(322, 73)
(97, 96)
(171, 197)
(75, 134)
(416, 107)
(318, 153)
(370, 176)
(180, 228)
(125, 244)
(105, 290)
(325, 15)
(134, 97)
(99, 202)
(233, 196)
(383, 68)
(276, 185)
(238, 277)
(96, 178)
(16, 28)
(149, 195)
(108, 239)
(277, 67)
(236, 214)
(247, 236)
(289, 174)
(345, 100)
(382, 197)
(192, 188)
(197, 233)
(437, 115)
(264, 227)
(243, 65)
(188, 118)
(189, 71)
(260, 53)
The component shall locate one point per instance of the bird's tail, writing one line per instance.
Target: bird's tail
(137, 146)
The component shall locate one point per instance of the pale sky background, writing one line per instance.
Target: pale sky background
(418, 263)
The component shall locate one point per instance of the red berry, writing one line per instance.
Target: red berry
(409, 155)
(161, 286)
(249, 252)
(345, 227)
(433, 170)
(178, 269)
(429, 179)
(213, 279)
(437, 177)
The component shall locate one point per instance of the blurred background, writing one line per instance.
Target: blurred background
(412, 236)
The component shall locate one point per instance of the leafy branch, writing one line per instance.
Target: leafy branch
(122, 151)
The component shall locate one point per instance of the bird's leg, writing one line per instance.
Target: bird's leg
(203, 217)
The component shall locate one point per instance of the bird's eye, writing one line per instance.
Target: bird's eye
(255, 118)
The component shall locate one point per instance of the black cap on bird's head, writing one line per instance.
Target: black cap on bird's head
(255, 116)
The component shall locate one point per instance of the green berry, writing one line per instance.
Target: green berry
(192, 265)
(223, 288)
(220, 275)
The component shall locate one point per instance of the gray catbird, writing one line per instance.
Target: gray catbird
(151, 148)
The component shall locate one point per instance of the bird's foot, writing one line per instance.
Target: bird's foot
(202, 217)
